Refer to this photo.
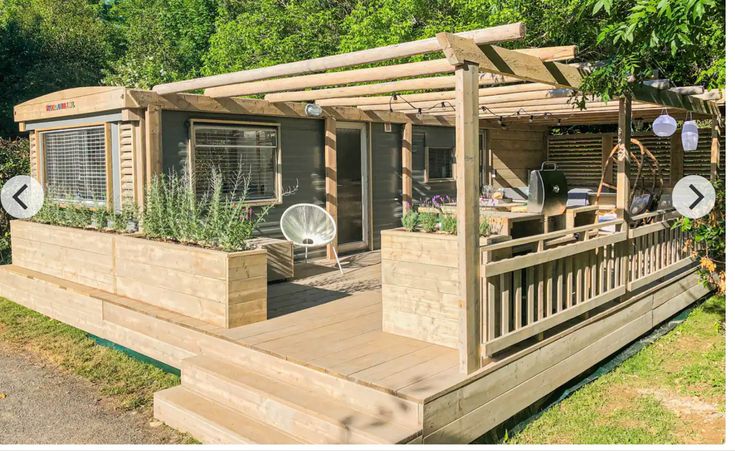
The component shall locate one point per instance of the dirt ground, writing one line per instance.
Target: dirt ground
(41, 404)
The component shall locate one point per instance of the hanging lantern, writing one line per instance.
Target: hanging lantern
(664, 125)
(689, 135)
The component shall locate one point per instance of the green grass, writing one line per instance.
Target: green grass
(129, 382)
(673, 391)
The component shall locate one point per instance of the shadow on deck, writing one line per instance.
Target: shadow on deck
(319, 282)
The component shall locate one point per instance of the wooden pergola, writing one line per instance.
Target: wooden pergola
(469, 79)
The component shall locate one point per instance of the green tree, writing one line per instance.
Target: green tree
(13, 161)
(162, 40)
(683, 40)
(262, 33)
(48, 45)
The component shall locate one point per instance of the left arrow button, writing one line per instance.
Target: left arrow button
(16, 196)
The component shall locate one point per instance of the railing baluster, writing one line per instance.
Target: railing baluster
(569, 270)
(549, 288)
(560, 285)
(517, 299)
(530, 293)
(539, 292)
(505, 303)
(577, 280)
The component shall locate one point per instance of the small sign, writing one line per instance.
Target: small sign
(60, 106)
(387, 127)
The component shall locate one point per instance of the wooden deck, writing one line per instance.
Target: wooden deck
(333, 322)
(321, 370)
(319, 282)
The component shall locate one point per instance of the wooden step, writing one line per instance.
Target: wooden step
(212, 423)
(302, 410)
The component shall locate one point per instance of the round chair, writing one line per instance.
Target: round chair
(309, 226)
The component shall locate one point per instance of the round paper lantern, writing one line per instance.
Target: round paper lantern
(664, 125)
(689, 135)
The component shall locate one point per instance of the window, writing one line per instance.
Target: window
(242, 154)
(440, 163)
(76, 165)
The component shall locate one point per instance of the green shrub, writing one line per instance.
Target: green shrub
(708, 233)
(488, 227)
(410, 221)
(14, 160)
(80, 216)
(448, 223)
(428, 221)
(217, 219)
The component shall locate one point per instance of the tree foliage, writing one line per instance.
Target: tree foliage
(682, 40)
(47, 45)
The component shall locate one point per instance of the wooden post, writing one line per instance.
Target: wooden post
(714, 161)
(468, 211)
(677, 159)
(153, 142)
(607, 145)
(622, 201)
(330, 173)
(406, 166)
(623, 183)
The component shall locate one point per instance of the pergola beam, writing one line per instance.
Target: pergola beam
(520, 100)
(522, 88)
(371, 74)
(545, 53)
(415, 84)
(509, 32)
(498, 60)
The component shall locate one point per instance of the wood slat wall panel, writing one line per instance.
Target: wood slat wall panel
(696, 162)
(33, 155)
(127, 171)
(579, 156)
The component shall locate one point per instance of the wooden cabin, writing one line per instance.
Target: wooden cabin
(427, 337)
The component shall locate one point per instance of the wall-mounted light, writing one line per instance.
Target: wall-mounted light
(313, 110)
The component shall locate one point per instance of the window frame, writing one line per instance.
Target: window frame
(453, 177)
(41, 160)
(191, 150)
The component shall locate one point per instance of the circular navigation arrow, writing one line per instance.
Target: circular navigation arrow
(693, 196)
(22, 196)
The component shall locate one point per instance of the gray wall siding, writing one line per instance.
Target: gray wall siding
(386, 179)
(302, 158)
(430, 137)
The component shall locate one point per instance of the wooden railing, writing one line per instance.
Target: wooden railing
(656, 249)
(531, 285)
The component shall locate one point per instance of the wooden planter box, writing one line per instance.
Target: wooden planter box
(420, 285)
(226, 289)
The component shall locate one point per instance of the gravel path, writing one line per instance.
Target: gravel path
(40, 404)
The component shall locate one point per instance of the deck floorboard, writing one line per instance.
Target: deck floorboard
(333, 322)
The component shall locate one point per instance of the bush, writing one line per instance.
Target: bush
(14, 160)
(709, 233)
(428, 221)
(74, 214)
(410, 221)
(448, 223)
(173, 212)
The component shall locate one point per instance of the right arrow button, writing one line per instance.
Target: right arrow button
(699, 198)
